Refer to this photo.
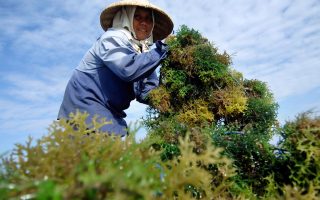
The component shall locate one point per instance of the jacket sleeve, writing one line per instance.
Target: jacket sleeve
(120, 57)
(143, 87)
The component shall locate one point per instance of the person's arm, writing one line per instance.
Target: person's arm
(118, 55)
(143, 87)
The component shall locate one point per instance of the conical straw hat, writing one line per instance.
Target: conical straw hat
(163, 24)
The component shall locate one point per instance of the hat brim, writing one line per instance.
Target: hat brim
(163, 24)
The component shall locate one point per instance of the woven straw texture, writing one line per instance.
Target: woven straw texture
(163, 23)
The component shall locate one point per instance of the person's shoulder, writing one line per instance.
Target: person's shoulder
(118, 37)
(115, 33)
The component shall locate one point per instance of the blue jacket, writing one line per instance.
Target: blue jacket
(111, 75)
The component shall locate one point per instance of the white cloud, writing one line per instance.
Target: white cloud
(41, 86)
(62, 26)
(134, 111)
(295, 79)
(32, 101)
(272, 42)
(26, 118)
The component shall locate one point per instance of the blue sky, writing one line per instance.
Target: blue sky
(41, 42)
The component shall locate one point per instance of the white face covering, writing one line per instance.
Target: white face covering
(123, 20)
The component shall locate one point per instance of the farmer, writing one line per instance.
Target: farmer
(120, 66)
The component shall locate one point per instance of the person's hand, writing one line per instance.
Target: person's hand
(162, 46)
